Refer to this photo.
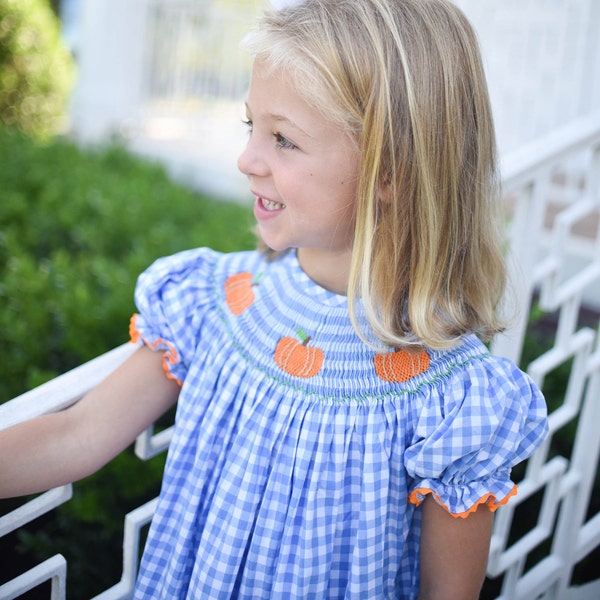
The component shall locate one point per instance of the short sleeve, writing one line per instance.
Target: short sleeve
(479, 423)
(172, 297)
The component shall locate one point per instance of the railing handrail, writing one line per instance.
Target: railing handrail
(519, 166)
(64, 390)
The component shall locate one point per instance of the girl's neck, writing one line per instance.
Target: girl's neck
(330, 270)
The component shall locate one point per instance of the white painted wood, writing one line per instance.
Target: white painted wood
(134, 521)
(54, 569)
(63, 391)
(34, 508)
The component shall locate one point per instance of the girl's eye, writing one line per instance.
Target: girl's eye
(248, 124)
(283, 142)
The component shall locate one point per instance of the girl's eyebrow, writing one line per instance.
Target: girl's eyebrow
(282, 119)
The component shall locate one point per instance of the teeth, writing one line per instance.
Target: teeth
(269, 205)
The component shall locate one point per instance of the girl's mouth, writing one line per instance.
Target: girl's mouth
(270, 205)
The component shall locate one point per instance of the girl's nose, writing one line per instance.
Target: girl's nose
(250, 161)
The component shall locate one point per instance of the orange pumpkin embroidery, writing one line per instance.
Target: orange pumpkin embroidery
(296, 358)
(400, 366)
(239, 294)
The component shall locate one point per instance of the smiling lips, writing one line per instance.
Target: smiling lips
(266, 210)
(270, 205)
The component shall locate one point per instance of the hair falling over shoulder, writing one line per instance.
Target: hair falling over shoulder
(405, 77)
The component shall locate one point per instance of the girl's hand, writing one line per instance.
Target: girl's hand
(68, 445)
(454, 552)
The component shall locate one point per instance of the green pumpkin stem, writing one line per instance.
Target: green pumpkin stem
(303, 337)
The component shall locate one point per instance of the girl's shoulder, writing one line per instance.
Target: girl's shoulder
(193, 272)
(468, 379)
(471, 361)
(198, 262)
(174, 295)
(474, 391)
(471, 365)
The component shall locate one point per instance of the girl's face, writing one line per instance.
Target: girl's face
(302, 170)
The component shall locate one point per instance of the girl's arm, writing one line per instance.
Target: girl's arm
(454, 552)
(68, 445)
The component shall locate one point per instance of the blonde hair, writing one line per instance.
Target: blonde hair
(405, 78)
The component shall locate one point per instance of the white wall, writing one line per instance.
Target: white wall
(110, 51)
(542, 59)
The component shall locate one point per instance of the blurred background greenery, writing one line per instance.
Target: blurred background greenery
(77, 226)
(36, 68)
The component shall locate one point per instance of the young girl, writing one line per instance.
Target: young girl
(341, 432)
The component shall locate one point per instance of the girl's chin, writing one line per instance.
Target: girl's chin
(269, 241)
(275, 247)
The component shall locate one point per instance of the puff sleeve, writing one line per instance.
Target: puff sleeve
(474, 427)
(172, 297)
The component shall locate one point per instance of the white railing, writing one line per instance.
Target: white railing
(554, 187)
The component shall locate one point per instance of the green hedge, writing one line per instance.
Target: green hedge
(76, 229)
(36, 68)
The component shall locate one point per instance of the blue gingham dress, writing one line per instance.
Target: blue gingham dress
(299, 477)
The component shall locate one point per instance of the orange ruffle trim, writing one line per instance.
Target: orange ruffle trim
(170, 357)
(418, 495)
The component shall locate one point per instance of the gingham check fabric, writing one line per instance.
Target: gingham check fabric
(290, 470)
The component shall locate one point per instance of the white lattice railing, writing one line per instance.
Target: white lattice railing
(554, 187)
